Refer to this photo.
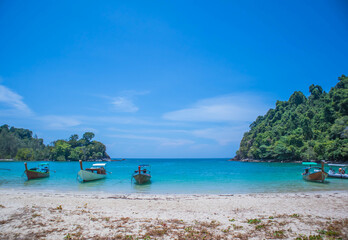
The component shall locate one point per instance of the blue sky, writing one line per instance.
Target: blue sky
(162, 78)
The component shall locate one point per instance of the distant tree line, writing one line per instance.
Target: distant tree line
(302, 128)
(19, 144)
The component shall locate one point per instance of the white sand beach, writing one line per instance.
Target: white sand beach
(43, 215)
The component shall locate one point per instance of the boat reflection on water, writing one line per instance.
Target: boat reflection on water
(92, 185)
(142, 188)
(36, 182)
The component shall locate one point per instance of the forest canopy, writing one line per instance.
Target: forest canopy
(19, 144)
(302, 128)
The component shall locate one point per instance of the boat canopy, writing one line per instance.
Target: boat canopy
(338, 165)
(309, 163)
(43, 164)
(99, 164)
(144, 165)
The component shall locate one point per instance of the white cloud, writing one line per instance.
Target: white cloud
(133, 93)
(161, 140)
(222, 135)
(60, 122)
(123, 104)
(13, 101)
(148, 130)
(115, 120)
(225, 118)
(240, 107)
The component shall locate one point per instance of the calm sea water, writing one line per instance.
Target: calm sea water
(179, 176)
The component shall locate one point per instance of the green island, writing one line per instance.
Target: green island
(19, 144)
(302, 128)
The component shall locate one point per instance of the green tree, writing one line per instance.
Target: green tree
(316, 128)
(315, 91)
(297, 98)
(73, 140)
(88, 136)
(75, 154)
(25, 154)
(19, 143)
(60, 151)
(339, 128)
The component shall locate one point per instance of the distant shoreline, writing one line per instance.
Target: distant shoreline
(46, 160)
(260, 160)
(281, 161)
(7, 160)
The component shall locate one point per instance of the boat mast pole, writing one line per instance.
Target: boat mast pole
(322, 166)
(26, 167)
(81, 164)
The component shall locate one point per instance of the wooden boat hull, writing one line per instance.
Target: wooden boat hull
(142, 178)
(87, 176)
(316, 177)
(34, 174)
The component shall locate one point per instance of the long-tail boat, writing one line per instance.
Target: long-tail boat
(97, 171)
(142, 175)
(314, 174)
(41, 171)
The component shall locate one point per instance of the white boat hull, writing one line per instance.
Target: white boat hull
(90, 176)
(338, 175)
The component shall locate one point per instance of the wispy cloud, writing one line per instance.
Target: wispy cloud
(223, 119)
(148, 130)
(161, 140)
(222, 135)
(13, 102)
(123, 104)
(117, 120)
(125, 101)
(133, 93)
(60, 122)
(238, 107)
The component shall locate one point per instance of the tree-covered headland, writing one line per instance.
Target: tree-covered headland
(19, 144)
(302, 128)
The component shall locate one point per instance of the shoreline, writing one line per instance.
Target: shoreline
(27, 214)
(46, 160)
(101, 193)
(282, 161)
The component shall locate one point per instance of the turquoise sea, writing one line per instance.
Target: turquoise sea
(172, 176)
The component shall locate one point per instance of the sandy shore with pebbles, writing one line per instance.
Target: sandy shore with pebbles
(28, 215)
